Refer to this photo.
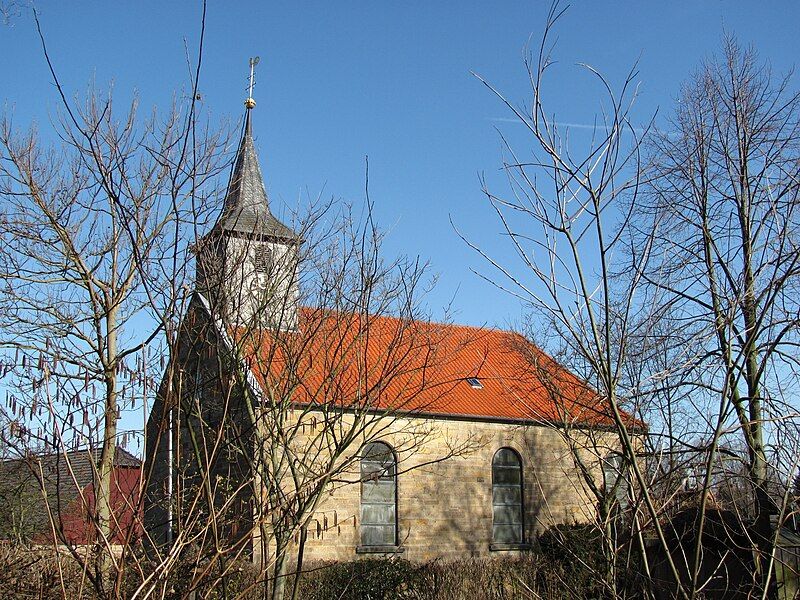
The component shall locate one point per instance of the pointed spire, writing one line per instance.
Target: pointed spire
(246, 207)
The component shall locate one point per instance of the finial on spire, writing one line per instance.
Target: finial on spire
(250, 102)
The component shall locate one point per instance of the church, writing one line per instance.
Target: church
(330, 424)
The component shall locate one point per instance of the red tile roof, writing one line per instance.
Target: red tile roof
(385, 363)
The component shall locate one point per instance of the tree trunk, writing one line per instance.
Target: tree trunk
(279, 569)
(105, 468)
(300, 552)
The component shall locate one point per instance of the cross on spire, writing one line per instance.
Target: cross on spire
(246, 206)
(250, 102)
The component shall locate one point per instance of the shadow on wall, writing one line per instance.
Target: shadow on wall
(463, 496)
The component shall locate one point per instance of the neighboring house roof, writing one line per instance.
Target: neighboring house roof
(246, 207)
(387, 363)
(62, 485)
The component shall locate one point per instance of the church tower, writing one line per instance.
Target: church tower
(247, 264)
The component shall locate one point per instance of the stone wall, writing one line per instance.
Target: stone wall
(444, 486)
(248, 280)
(445, 504)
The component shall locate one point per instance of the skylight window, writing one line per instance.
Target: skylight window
(475, 383)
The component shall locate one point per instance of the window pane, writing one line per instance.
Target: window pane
(377, 514)
(377, 452)
(378, 495)
(615, 478)
(505, 515)
(377, 459)
(506, 456)
(507, 505)
(377, 491)
(506, 495)
(373, 470)
(506, 475)
(377, 535)
(507, 534)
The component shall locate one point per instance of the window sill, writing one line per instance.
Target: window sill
(379, 550)
(508, 547)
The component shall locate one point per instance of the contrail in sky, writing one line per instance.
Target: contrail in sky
(564, 124)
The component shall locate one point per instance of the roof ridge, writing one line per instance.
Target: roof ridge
(120, 455)
(482, 328)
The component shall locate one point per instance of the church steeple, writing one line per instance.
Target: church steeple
(247, 264)
(246, 207)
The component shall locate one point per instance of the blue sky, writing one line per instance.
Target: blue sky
(341, 80)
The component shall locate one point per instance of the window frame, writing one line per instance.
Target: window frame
(393, 547)
(521, 544)
(262, 259)
(475, 383)
(614, 463)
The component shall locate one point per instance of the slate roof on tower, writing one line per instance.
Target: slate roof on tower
(246, 208)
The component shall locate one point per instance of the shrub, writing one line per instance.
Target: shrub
(562, 566)
(35, 573)
(241, 579)
(575, 553)
(549, 575)
(368, 579)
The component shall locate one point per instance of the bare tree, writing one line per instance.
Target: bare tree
(671, 284)
(302, 346)
(565, 219)
(93, 247)
(722, 219)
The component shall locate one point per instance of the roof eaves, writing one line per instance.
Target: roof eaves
(428, 414)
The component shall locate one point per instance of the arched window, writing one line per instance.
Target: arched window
(378, 495)
(615, 478)
(507, 499)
